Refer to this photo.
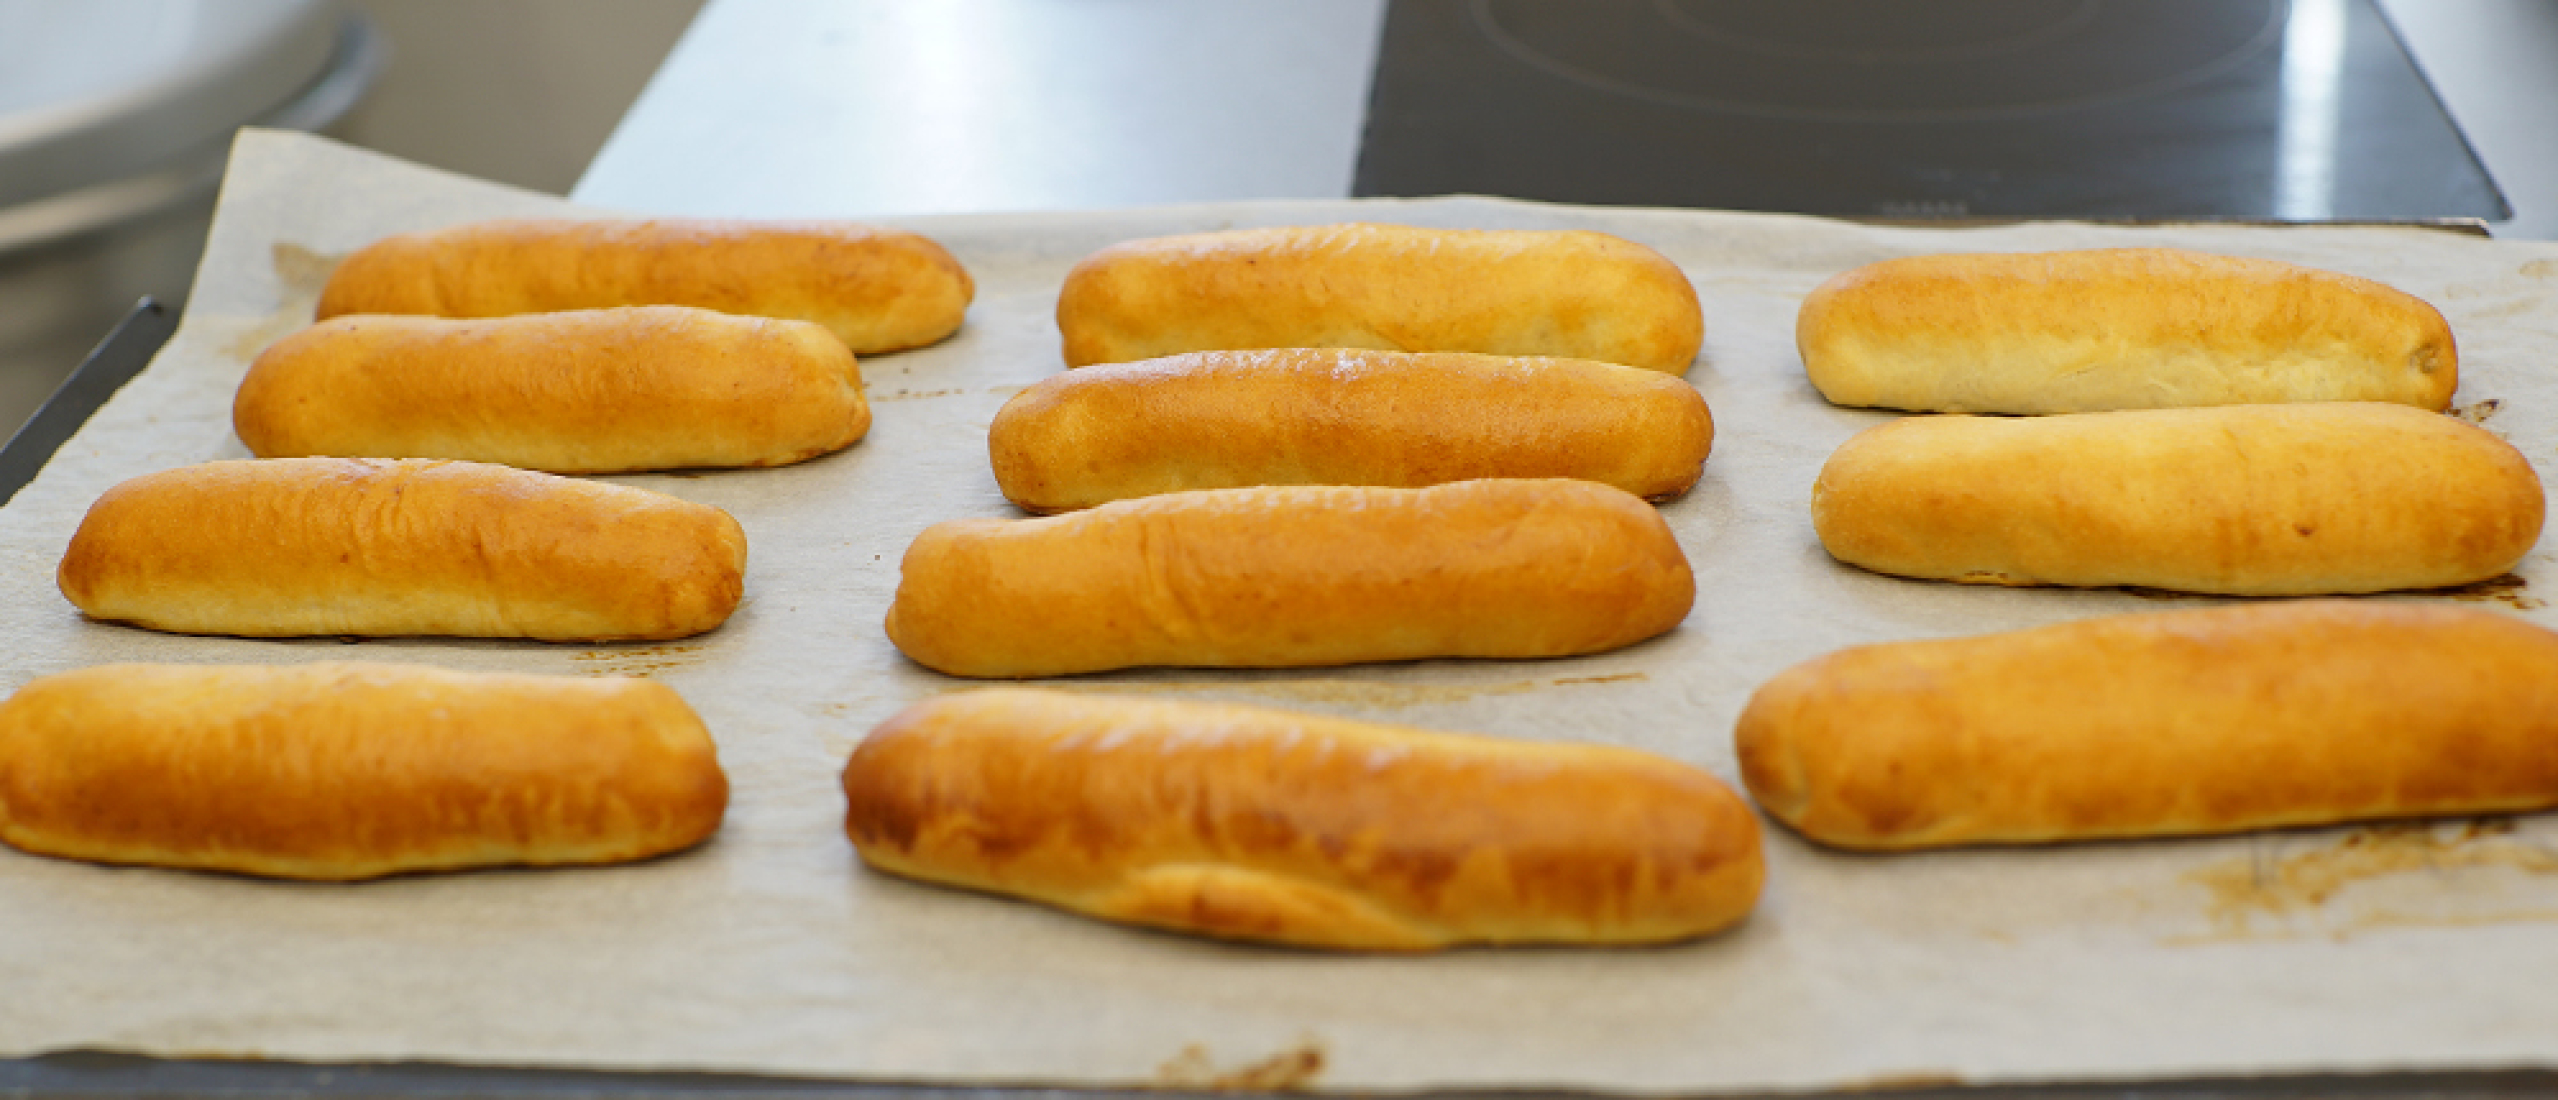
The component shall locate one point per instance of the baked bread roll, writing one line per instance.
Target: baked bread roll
(2184, 722)
(1255, 824)
(341, 771)
(350, 546)
(587, 391)
(876, 289)
(2126, 328)
(1293, 576)
(2247, 500)
(1572, 294)
(1224, 419)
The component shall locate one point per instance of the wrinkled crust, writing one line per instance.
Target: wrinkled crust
(387, 547)
(1254, 824)
(342, 771)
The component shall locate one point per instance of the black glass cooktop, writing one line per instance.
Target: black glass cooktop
(2302, 110)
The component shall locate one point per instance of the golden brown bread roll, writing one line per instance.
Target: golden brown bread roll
(2251, 500)
(876, 289)
(586, 391)
(2126, 328)
(347, 770)
(1225, 419)
(2182, 722)
(1293, 576)
(1572, 294)
(351, 546)
(1258, 824)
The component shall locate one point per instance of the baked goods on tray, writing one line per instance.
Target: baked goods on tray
(584, 391)
(345, 770)
(1293, 576)
(877, 290)
(2253, 500)
(1331, 416)
(2127, 328)
(2182, 722)
(351, 546)
(1573, 294)
(1247, 823)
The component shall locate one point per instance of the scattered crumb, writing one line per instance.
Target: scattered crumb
(2477, 412)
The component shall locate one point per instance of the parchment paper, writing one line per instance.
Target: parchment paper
(771, 950)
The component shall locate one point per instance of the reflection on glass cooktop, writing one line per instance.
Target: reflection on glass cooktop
(2307, 109)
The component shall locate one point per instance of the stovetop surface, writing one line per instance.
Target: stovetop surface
(2307, 109)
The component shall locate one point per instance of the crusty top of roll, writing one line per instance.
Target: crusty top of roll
(1568, 293)
(1267, 825)
(2127, 328)
(1293, 576)
(878, 289)
(574, 392)
(349, 770)
(318, 546)
(1343, 416)
(2171, 723)
(2253, 500)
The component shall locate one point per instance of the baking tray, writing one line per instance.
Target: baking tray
(89, 1072)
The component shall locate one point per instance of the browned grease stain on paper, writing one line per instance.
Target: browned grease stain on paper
(303, 271)
(912, 395)
(2509, 590)
(2246, 888)
(637, 660)
(2161, 593)
(1619, 678)
(2477, 412)
(1290, 1070)
(2541, 269)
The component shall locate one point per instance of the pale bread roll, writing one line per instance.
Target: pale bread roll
(2127, 328)
(2249, 500)
(2180, 722)
(1227, 419)
(1572, 294)
(346, 770)
(1253, 824)
(585, 391)
(350, 546)
(1291, 577)
(876, 289)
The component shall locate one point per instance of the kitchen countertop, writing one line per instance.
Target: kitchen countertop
(810, 108)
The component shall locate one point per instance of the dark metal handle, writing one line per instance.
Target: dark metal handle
(115, 361)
